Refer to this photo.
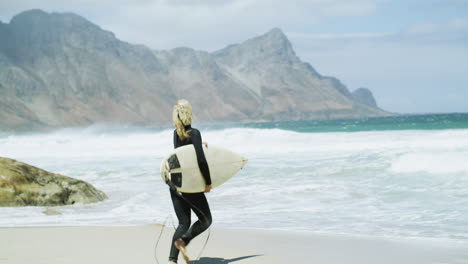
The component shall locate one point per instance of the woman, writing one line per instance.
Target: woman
(183, 203)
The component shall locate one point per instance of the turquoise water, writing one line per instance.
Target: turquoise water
(402, 122)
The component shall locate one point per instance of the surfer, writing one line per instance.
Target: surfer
(183, 203)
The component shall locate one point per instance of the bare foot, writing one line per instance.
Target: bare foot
(180, 245)
(172, 262)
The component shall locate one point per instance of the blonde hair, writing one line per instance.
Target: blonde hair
(181, 117)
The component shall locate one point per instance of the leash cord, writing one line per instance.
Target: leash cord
(159, 238)
(171, 185)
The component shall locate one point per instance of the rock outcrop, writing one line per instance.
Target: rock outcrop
(364, 96)
(60, 70)
(22, 185)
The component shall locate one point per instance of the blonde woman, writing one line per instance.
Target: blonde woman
(183, 203)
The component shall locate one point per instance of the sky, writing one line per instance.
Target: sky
(412, 54)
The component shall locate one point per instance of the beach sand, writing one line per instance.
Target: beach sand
(136, 244)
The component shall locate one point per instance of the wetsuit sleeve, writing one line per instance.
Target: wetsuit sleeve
(202, 163)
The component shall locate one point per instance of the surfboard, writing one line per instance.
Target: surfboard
(181, 167)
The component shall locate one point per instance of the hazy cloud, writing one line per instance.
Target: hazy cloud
(418, 69)
(409, 53)
(452, 31)
(204, 24)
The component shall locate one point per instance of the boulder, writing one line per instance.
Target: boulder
(25, 185)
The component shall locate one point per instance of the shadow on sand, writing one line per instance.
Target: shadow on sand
(206, 260)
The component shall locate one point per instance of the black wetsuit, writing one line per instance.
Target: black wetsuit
(191, 201)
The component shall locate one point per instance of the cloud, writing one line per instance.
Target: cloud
(362, 35)
(442, 6)
(454, 25)
(203, 24)
(361, 42)
(199, 2)
(418, 69)
(446, 34)
(450, 31)
(213, 26)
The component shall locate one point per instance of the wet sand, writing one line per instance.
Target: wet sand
(136, 244)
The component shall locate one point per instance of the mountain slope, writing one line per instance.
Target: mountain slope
(61, 70)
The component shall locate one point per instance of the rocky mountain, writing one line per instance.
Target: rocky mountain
(364, 96)
(61, 70)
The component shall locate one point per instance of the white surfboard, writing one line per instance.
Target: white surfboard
(181, 167)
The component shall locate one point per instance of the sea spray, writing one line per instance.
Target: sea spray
(407, 183)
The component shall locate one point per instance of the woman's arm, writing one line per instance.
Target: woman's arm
(202, 163)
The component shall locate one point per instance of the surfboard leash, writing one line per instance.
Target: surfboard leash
(199, 210)
(159, 238)
(171, 185)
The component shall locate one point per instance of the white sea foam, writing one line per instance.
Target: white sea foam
(440, 162)
(402, 183)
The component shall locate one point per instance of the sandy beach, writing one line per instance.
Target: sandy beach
(136, 244)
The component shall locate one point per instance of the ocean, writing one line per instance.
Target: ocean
(404, 176)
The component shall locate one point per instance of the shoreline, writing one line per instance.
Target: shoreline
(416, 239)
(136, 244)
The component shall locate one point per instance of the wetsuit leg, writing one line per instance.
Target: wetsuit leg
(201, 208)
(182, 210)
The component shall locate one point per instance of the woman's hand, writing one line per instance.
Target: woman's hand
(205, 143)
(208, 188)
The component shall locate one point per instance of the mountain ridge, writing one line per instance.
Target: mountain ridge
(60, 70)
